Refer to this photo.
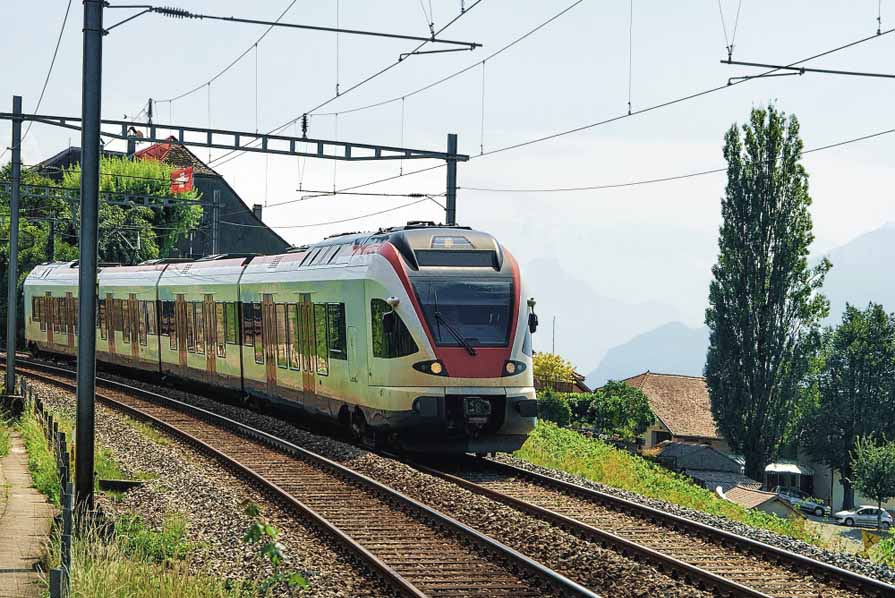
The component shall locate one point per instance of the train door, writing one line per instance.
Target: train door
(180, 326)
(269, 326)
(353, 361)
(308, 350)
(211, 340)
(69, 307)
(134, 324)
(50, 316)
(110, 321)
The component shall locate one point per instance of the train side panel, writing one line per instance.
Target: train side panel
(127, 322)
(51, 308)
(199, 322)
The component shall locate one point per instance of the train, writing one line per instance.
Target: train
(417, 337)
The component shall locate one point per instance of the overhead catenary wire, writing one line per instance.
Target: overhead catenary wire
(613, 119)
(233, 154)
(340, 221)
(233, 63)
(459, 72)
(665, 179)
(43, 90)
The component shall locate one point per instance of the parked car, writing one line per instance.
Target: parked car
(864, 515)
(802, 500)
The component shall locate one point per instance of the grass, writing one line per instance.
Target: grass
(557, 448)
(140, 562)
(42, 463)
(4, 437)
(148, 431)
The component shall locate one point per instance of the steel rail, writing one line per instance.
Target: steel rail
(667, 564)
(532, 567)
(822, 571)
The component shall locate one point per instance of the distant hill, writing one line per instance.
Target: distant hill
(858, 276)
(587, 324)
(672, 348)
(860, 272)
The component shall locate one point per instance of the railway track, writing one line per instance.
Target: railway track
(420, 551)
(705, 556)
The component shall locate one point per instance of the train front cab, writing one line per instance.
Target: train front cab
(51, 308)
(449, 344)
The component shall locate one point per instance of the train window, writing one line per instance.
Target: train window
(282, 345)
(307, 338)
(335, 323)
(101, 318)
(43, 314)
(397, 344)
(294, 341)
(34, 312)
(248, 326)
(125, 320)
(259, 332)
(199, 310)
(231, 323)
(220, 325)
(190, 328)
(75, 315)
(320, 333)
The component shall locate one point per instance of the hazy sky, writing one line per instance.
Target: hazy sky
(647, 243)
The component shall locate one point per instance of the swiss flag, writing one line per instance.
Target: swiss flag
(182, 180)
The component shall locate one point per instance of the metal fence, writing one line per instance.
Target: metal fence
(60, 581)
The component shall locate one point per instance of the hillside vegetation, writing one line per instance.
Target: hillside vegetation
(566, 450)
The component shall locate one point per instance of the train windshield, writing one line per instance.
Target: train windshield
(474, 313)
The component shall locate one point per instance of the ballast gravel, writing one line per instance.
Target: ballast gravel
(350, 454)
(212, 501)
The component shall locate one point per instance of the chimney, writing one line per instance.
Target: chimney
(256, 210)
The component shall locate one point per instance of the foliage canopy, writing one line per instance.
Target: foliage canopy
(764, 302)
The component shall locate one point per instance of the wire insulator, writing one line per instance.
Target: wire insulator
(173, 12)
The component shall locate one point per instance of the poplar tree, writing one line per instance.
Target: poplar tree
(764, 301)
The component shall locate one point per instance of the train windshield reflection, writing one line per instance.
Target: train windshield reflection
(478, 310)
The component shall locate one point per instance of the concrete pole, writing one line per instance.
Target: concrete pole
(12, 293)
(91, 93)
(451, 196)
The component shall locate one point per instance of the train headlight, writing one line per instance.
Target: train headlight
(511, 368)
(434, 367)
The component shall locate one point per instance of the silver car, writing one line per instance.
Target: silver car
(802, 500)
(864, 515)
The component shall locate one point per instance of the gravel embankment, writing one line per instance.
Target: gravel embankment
(843, 560)
(601, 570)
(211, 499)
(418, 485)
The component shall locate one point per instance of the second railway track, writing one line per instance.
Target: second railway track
(725, 562)
(417, 549)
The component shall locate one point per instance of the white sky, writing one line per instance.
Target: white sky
(648, 243)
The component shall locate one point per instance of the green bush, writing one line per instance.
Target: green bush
(4, 437)
(579, 404)
(41, 461)
(884, 552)
(554, 408)
(155, 546)
(566, 450)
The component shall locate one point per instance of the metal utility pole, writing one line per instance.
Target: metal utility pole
(451, 196)
(215, 202)
(12, 290)
(91, 93)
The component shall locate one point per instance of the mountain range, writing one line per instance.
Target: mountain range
(672, 347)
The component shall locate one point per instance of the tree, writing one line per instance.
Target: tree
(764, 301)
(131, 235)
(553, 407)
(621, 410)
(853, 391)
(550, 368)
(873, 465)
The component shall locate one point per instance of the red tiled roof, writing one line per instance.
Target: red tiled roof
(175, 155)
(681, 403)
(749, 497)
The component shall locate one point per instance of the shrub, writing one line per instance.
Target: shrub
(566, 450)
(554, 408)
(579, 404)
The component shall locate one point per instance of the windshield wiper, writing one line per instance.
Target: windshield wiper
(466, 345)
